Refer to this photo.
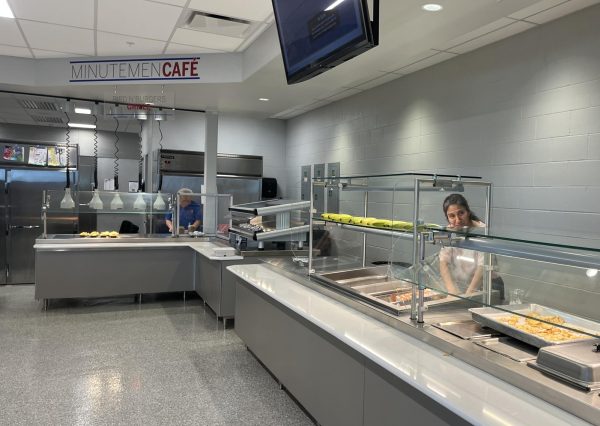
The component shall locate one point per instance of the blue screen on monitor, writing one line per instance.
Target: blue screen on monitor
(308, 32)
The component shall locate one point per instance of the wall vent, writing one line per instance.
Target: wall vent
(219, 24)
(47, 119)
(39, 105)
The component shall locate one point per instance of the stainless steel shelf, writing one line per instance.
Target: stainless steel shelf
(270, 235)
(398, 233)
(531, 251)
(264, 208)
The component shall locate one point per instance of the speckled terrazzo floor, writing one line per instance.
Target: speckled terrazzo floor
(112, 361)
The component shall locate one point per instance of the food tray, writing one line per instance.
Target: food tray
(490, 317)
(403, 296)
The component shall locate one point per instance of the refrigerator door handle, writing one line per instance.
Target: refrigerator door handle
(25, 226)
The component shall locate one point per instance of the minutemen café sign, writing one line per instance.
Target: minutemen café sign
(160, 70)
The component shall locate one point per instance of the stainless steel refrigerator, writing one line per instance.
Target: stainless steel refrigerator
(20, 216)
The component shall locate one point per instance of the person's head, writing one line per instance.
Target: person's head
(185, 197)
(457, 211)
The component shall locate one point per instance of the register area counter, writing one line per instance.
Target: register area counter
(347, 368)
(77, 268)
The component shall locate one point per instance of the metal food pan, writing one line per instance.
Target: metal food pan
(429, 300)
(490, 317)
(383, 287)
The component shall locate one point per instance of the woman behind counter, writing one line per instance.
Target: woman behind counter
(461, 267)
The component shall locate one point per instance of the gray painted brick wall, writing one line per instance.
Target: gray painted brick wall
(523, 113)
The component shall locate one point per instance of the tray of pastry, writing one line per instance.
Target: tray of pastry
(536, 325)
(97, 234)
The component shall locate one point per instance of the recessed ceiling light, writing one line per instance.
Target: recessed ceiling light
(432, 7)
(82, 126)
(5, 11)
(264, 99)
(82, 110)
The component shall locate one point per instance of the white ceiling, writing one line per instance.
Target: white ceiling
(60, 28)
(410, 39)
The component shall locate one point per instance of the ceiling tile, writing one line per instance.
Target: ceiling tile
(493, 26)
(208, 40)
(378, 81)
(119, 45)
(180, 3)
(392, 63)
(58, 38)
(427, 62)
(77, 13)
(344, 93)
(175, 48)
(535, 8)
(45, 54)
(493, 37)
(22, 52)
(138, 18)
(561, 10)
(9, 32)
(251, 10)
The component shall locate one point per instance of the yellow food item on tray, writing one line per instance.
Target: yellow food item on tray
(339, 217)
(104, 234)
(325, 215)
(94, 234)
(402, 225)
(113, 234)
(84, 234)
(542, 327)
(382, 223)
(364, 221)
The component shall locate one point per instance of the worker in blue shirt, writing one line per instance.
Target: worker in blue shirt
(190, 212)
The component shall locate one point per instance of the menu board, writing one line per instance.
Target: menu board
(38, 156)
(57, 156)
(13, 153)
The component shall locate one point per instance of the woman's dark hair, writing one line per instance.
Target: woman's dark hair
(460, 201)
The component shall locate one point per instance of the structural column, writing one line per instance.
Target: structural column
(210, 171)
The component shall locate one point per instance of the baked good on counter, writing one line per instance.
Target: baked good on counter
(113, 234)
(84, 234)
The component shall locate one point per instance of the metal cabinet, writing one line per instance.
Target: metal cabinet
(216, 285)
(322, 376)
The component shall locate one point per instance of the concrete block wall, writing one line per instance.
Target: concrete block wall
(523, 113)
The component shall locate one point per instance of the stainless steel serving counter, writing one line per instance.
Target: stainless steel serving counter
(121, 239)
(575, 401)
(70, 266)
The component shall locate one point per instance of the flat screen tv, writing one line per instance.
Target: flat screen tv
(317, 35)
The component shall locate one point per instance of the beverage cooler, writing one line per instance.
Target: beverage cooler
(20, 199)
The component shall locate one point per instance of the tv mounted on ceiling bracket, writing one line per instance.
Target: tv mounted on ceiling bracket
(318, 35)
